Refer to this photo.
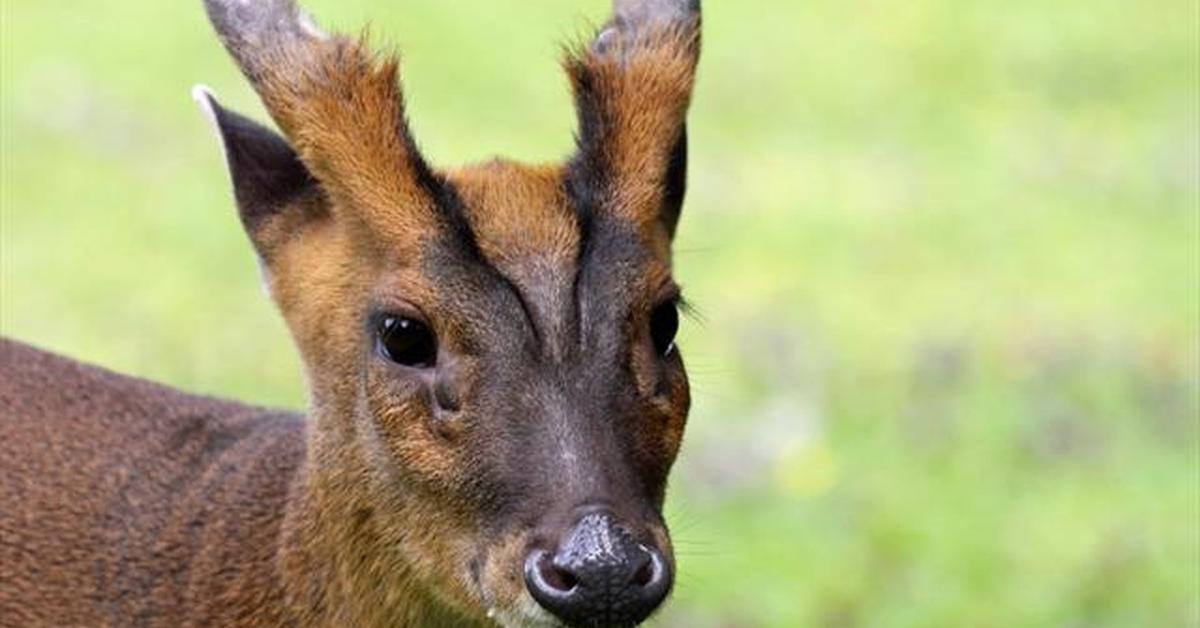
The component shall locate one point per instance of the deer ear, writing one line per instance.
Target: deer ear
(273, 189)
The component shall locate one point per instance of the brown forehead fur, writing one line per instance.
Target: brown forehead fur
(518, 212)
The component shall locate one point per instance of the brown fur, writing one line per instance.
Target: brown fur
(125, 503)
(122, 499)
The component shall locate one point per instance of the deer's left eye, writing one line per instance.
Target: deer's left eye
(407, 341)
(664, 324)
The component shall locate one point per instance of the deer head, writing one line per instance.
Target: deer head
(497, 396)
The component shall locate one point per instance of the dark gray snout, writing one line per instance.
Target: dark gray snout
(599, 576)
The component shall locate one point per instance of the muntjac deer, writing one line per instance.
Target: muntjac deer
(496, 396)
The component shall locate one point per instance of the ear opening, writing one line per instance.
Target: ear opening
(267, 175)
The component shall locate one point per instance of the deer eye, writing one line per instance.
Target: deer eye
(664, 323)
(406, 341)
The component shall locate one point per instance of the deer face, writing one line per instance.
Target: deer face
(490, 348)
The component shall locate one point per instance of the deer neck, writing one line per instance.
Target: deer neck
(339, 560)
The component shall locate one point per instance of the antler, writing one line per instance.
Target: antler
(633, 87)
(263, 34)
(339, 105)
(644, 10)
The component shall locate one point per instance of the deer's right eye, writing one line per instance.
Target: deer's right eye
(664, 324)
(407, 341)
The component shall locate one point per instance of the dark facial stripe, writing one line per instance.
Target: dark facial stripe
(453, 215)
(675, 183)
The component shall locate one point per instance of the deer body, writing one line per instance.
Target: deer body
(496, 396)
(167, 509)
(125, 502)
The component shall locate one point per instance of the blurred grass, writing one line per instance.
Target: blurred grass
(945, 253)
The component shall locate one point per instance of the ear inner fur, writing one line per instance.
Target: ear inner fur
(266, 174)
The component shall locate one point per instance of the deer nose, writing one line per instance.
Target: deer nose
(599, 576)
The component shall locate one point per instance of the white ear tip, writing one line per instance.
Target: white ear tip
(203, 96)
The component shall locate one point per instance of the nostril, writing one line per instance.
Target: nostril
(556, 577)
(644, 574)
(551, 585)
(655, 576)
(648, 567)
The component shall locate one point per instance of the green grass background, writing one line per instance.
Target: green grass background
(945, 255)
